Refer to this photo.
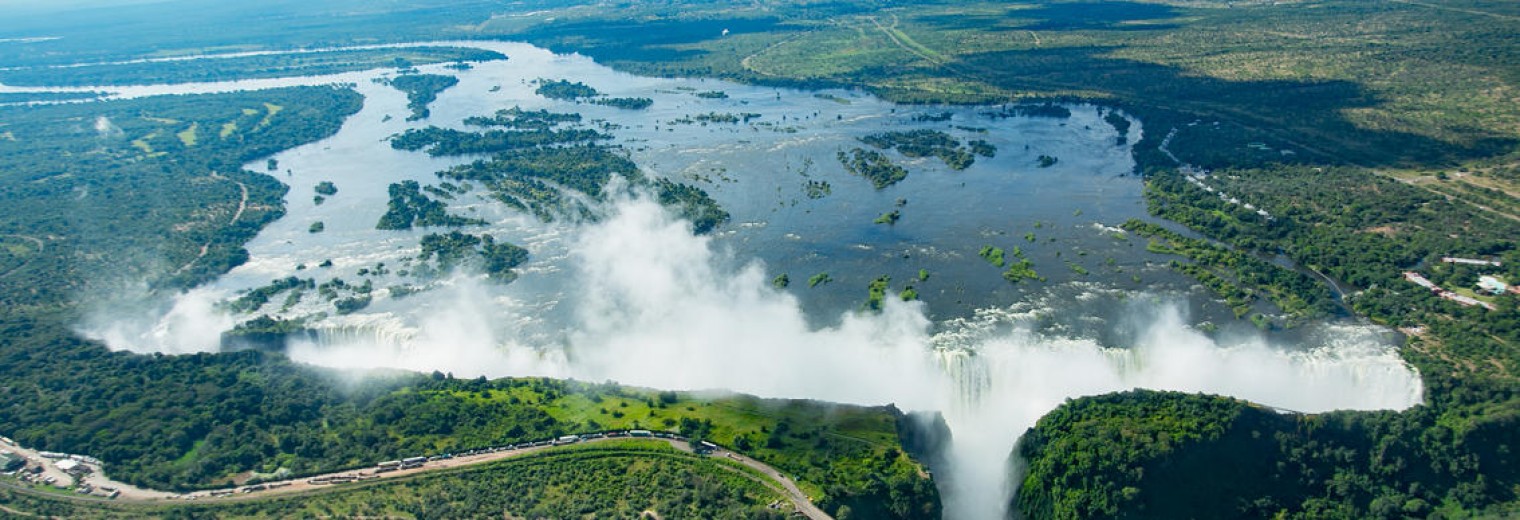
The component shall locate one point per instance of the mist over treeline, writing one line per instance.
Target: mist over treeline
(656, 306)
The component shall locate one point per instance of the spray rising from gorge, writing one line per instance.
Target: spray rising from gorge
(637, 298)
(656, 308)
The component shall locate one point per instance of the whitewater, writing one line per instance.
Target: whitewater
(635, 297)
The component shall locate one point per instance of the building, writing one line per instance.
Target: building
(1492, 285)
(1420, 280)
(1470, 261)
(1466, 301)
(71, 466)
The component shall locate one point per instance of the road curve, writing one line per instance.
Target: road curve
(799, 499)
(776, 480)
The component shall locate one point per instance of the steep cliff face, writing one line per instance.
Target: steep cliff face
(900, 485)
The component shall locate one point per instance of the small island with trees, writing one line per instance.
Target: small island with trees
(873, 166)
(421, 90)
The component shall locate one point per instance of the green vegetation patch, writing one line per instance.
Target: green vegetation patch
(308, 422)
(993, 255)
(625, 103)
(819, 279)
(442, 142)
(927, 143)
(692, 203)
(1296, 293)
(409, 207)
(518, 119)
(1020, 271)
(1175, 455)
(262, 332)
(1047, 110)
(243, 67)
(46, 97)
(453, 249)
(623, 479)
(421, 90)
(872, 165)
(254, 299)
(521, 177)
(565, 90)
(817, 189)
(76, 179)
(876, 291)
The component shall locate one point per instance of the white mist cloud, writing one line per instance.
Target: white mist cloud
(1018, 376)
(455, 329)
(650, 304)
(106, 128)
(191, 324)
(656, 309)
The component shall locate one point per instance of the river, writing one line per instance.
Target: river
(637, 298)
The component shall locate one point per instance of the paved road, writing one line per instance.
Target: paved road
(131, 494)
(789, 488)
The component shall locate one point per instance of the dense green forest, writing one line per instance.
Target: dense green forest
(1168, 455)
(1240, 278)
(691, 203)
(33, 97)
(928, 143)
(409, 206)
(520, 177)
(535, 158)
(421, 90)
(243, 67)
(496, 259)
(625, 103)
(606, 480)
(230, 414)
(441, 142)
(565, 90)
(873, 165)
(518, 119)
(92, 33)
(98, 192)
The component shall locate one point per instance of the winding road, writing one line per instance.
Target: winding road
(35, 241)
(237, 215)
(773, 478)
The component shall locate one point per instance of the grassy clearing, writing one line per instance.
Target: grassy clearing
(188, 135)
(810, 434)
(270, 109)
